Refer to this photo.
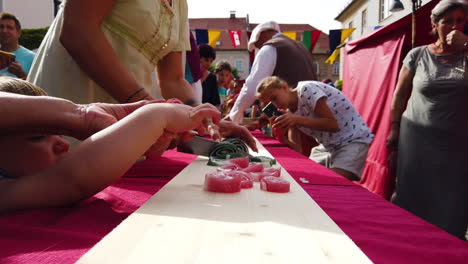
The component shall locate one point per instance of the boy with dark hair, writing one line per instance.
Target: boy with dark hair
(210, 88)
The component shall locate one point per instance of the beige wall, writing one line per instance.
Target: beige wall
(31, 13)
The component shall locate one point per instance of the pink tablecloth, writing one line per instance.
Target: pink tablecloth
(384, 232)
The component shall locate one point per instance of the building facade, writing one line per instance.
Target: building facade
(239, 57)
(31, 13)
(368, 15)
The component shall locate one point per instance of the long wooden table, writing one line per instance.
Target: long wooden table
(383, 231)
(182, 223)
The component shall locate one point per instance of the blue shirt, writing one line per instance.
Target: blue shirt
(25, 58)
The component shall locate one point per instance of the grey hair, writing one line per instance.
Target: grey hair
(444, 6)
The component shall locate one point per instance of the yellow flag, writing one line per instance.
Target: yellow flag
(345, 33)
(213, 36)
(333, 56)
(290, 34)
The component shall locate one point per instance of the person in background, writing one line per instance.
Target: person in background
(234, 89)
(10, 32)
(193, 69)
(339, 84)
(430, 129)
(329, 82)
(37, 168)
(278, 55)
(210, 88)
(223, 74)
(324, 113)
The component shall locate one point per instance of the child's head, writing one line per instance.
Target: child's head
(223, 73)
(273, 89)
(207, 55)
(237, 86)
(18, 86)
(27, 153)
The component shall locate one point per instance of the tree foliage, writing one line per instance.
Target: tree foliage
(32, 38)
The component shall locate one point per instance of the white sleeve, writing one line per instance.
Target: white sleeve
(263, 66)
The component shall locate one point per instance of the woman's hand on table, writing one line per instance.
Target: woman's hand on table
(230, 129)
(186, 118)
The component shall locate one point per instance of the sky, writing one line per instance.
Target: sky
(317, 13)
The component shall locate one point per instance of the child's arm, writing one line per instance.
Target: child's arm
(325, 120)
(102, 158)
(44, 114)
(51, 115)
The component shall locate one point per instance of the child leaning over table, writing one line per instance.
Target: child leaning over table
(324, 113)
(36, 169)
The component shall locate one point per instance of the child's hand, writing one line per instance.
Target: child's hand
(284, 121)
(182, 118)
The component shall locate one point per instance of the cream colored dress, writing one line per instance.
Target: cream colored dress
(140, 31)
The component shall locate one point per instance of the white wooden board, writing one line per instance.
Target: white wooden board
(182, 223)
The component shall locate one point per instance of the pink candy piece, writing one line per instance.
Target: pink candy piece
(246, 179)
(254, 167)
(274, 184)
(228, 167)
(240, 162)
(258, 176)
(222, 182)
(275, 171)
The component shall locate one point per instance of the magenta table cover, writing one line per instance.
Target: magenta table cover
(384, 232)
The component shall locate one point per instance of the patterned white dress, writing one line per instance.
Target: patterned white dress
(140, 31)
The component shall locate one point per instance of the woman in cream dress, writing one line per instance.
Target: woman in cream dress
(107, 50)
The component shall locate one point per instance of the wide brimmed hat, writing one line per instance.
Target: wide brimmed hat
(259, 29)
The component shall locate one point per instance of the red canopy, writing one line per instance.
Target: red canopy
(371, 67)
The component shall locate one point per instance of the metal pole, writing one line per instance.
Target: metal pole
(413, 25)
(56, 6)
(416, 5)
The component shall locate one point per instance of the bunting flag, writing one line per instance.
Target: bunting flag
(235, 37)
(333, 56)
(337, 37)
(213, 37)
(315, 37)
(202, 36)
(290, 34)
(309, 39)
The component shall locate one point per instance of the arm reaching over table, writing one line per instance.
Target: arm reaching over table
(38, 171)
(50, 115)
(230, 129)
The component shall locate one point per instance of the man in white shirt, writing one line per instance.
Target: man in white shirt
(278, 55)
